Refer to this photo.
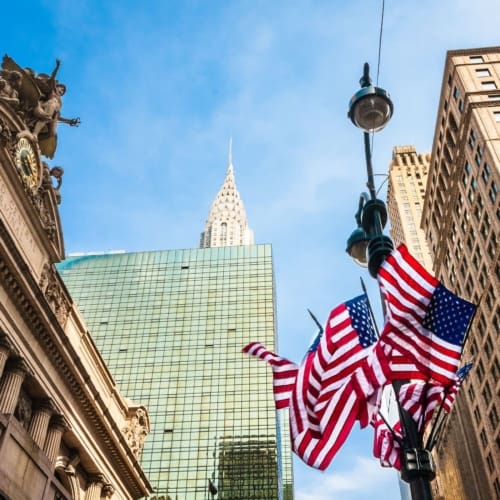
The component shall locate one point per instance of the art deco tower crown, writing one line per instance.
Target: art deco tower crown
(227, 221)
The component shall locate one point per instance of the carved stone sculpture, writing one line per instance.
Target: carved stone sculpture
(10, 83)
(136, 430)
(38, 97)
(53, 291)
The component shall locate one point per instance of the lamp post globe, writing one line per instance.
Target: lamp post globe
(370, 108)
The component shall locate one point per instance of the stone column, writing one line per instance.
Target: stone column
(10, 385)
(4, 351)
(55, 432)
(40, 421)
(94, 487)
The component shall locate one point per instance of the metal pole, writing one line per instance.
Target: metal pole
(416, 463)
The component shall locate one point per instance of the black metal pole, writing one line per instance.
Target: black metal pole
(416, 462)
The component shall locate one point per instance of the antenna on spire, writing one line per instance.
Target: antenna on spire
(230, 151)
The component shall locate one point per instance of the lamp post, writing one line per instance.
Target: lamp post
(371, 109)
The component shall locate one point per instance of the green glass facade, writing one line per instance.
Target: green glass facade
(170, 326)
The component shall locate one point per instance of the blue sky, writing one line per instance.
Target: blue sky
(161, 86)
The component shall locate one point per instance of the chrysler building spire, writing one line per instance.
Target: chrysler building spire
(226, 224)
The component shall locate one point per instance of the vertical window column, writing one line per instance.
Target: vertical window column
(58, 425)
(40, 421)
(10, 385)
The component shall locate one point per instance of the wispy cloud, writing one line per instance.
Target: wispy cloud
(363, 479)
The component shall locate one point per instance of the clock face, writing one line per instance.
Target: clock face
(26, 161)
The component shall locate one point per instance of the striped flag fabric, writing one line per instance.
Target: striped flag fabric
(424, 320)
(342, 359)
(386, 443)
(420, 399)
(284, 372)
(348, 341)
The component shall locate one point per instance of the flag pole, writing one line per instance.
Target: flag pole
(372, 316)
(435, 426)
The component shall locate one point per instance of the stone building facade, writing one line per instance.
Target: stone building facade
(66, 432)
(461, 219)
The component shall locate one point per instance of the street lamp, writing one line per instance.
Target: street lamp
(371, 109)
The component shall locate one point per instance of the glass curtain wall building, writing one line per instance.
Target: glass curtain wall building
(171, 326)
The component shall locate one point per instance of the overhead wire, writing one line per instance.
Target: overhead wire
(381, 30)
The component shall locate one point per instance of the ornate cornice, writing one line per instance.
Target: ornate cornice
(36, 311)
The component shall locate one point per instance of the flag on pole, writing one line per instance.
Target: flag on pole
(386, 443)
(344, 360)
(425, 321)
(284, 372)
(348, 341)
(420, 399)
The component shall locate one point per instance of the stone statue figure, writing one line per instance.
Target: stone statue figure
(10, 83)
(40, 102)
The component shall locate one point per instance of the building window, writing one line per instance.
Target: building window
(497, 487)
(493, 417)
(491, 464)
(493, 192)
(489, 85)
(496, 114)
(477, 415)
(476, 59)
(482, 72)
(480, 371)
(456, 93)
(488, 347)
(486, 394)
(494, 97)
(486, 173)
(484, 438)
(472, 139)
(495, 370)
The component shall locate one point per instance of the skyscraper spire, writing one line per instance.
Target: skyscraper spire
(226, 224)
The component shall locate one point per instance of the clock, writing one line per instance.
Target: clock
(27, 162)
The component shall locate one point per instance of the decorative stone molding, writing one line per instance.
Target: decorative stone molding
(24, 409)
(54, 293)
(136, 430)
(133, 477)
(108, 491)
(6, 136)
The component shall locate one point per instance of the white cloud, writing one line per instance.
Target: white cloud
(365, 479)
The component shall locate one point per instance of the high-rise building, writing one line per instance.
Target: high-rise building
(405, 200)
(171, 325)
(227, 220)
(461, 219)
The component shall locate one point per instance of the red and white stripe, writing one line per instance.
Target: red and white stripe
(408, 289)
(284, 372)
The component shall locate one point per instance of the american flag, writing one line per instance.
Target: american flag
(348, 340)
(420, 399)
(344, 360)
(425, 321)
(386, 443)
(284, 372)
